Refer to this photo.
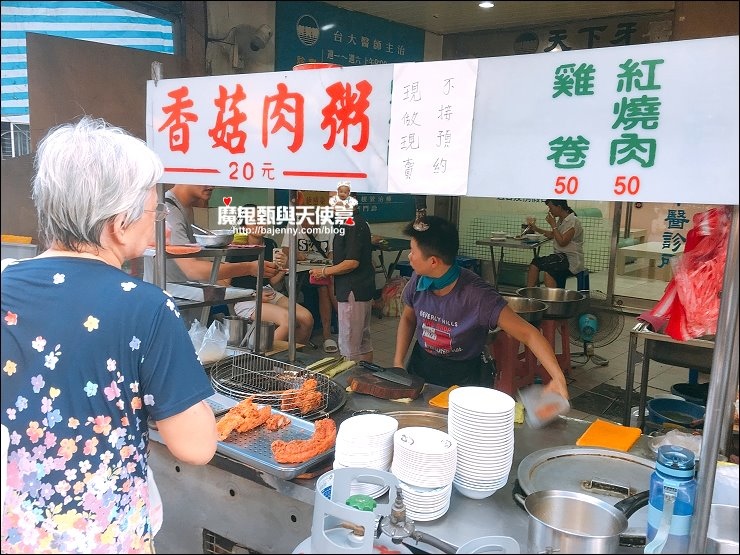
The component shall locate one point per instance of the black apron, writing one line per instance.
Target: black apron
(442, 371)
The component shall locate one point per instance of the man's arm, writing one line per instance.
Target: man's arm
(526, 333)
(404, 335)
(199, 269)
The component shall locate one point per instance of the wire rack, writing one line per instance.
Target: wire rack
(275, 383)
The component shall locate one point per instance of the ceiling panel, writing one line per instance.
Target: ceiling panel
(445, 18)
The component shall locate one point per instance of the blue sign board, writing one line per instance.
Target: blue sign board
(309, 32)
(315, 32)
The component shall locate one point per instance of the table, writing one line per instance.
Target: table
(389, 244)
(654, 250)
(508, 243)
(638, 234)
(633, 357)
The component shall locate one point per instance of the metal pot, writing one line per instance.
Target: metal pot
(569, 522)
(236, 327)
(267, 335)
(531, 310)
(722, 534)
(561, 303)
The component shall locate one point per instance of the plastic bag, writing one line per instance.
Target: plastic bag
(196, 333)
(214, 343)
(691, 301)
(209, 344)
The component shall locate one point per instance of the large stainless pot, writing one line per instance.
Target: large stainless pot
(569, 522)
(531, 310)
(561, 303)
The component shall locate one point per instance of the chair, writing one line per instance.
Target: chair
(583, 283)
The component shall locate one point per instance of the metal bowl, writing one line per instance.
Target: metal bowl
(220, 238)
(561, 303)
(531, 310)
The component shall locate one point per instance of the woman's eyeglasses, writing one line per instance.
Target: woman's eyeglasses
(160, 212)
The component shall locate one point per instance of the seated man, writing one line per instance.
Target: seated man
(180, 200)
(274, 304)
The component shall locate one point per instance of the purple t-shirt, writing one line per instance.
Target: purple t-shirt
(455, 325)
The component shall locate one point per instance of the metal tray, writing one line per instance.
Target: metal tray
(253, 447)
(425, 419)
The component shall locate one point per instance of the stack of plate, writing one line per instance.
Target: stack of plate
(366, 441)
(424, 461)
(481, 420)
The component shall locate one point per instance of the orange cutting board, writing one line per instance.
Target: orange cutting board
(611, 436)
(363, 381)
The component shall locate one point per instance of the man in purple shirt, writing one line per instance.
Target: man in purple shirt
(450, 311)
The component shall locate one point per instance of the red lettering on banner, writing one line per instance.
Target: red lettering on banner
(284, 103)
(347, 109)
(179, 132)
(226, 132)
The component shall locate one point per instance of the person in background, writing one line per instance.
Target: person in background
(567, 235)
(315, 247)
(450, 311)
(91, 354)
(181, 199)
(274, 303)
(354, 285)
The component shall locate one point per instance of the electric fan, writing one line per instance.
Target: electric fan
(595, 324)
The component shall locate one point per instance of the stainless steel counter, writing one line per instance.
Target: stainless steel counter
(238, 504)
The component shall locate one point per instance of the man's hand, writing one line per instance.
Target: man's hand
(279, 258)
(269, 269)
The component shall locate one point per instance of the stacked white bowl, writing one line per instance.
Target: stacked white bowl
(424, 461)
(481, 420)
(366, 441)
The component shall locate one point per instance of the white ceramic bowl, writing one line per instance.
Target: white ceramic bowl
(532, 237)
(220, 238)
(498, 235)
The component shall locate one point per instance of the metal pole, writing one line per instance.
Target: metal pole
(292, 273)
(160, 252)
(717, 410)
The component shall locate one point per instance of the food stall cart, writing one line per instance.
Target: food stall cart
(504, 94)
(233, 505)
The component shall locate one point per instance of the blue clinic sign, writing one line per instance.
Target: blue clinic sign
(317, 32)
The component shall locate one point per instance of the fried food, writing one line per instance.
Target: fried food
(242, 417)
(231, 420)
(255, 418)
(276, 422)
(301, 450)
(304, 399)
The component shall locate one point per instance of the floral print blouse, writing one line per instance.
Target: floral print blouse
(89, 354)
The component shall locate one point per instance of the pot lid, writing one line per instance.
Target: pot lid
(606, 474)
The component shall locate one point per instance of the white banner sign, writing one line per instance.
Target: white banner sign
(645, 123)
(431, 122)
(285, 130)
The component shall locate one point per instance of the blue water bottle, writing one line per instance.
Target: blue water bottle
(671, 505)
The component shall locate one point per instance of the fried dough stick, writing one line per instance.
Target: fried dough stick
(301, 450)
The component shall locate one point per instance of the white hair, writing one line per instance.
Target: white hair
(87, 173)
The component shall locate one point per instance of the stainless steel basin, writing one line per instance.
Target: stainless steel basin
(531, 310)
(561, 303)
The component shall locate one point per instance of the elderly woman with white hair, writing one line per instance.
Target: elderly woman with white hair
(90, 354)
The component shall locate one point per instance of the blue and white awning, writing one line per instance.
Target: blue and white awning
(93, 21)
